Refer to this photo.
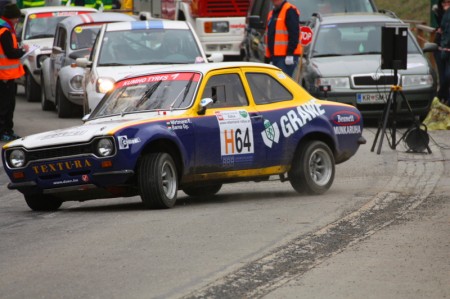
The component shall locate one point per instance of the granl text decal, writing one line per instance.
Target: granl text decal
(295, 119)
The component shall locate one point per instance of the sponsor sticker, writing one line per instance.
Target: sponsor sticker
(124, 141)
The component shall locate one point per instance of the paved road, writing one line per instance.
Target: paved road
(381, 232)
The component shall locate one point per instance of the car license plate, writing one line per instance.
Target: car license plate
(371, 98)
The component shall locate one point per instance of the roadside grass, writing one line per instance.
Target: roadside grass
(417, 10)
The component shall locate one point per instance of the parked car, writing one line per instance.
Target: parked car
(74, 37)
(253, 47)
(127, 47)
(37, 27)
(345, 58)
(191, 127)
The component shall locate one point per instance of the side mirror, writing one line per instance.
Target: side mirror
(57, 50)
(255, 22)
(216, 57)
(83, 62)
(430, 47)
(204, 103)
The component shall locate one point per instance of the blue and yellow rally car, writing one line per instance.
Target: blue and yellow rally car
(189, 127)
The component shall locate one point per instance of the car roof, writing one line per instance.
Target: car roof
(149, 24)
(203, 68)
(101, 17)
(31, 10)
(345, 18)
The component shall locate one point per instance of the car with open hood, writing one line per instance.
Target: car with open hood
(188, 127)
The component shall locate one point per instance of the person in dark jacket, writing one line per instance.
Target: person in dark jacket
(283, 48)
(444, 85)
(438, 13)
(10, 69)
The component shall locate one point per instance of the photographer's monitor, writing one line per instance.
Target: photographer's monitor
(394, 46)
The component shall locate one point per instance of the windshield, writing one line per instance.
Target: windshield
(352, 39)
(168, 91)
(83, 36)
(307, 8)
(149, 46)
(41, 25)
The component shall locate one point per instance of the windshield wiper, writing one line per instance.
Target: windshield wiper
(148, 93)
(186, 90)
(111, 64)
(329, 55)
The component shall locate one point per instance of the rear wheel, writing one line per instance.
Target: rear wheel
(207, 190)
(313, 168)
(32, 88)
(40, 202)
(158, 181)
(46, 105)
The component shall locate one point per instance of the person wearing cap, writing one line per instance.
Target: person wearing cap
(10, 69)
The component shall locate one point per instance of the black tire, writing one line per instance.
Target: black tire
(32, 89)
(158, 181)
(46, 105)
(64, 107)
(313, 168)
(207, 190)
(40, 202)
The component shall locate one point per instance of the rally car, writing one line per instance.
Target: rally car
(36, 27)
(192, 128)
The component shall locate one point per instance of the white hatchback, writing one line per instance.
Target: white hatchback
(126, 48)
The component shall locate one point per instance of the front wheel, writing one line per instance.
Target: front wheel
(158, 181)
(40, 202)
(313, 168)
(32, 88)
(46, 105)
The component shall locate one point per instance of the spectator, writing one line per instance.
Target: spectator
(10, 69)
(443, 93)
(438, 12)
(282, 36)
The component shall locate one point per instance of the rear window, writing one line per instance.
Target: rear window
(307, 8)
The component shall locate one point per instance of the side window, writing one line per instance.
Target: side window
(60, 38)
(266, 90)
(226, 91)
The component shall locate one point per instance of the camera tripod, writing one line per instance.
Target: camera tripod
(413, 134)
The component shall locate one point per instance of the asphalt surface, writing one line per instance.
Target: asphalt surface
(396, 246)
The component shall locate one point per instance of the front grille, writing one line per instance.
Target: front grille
(220, 8)
(59, 152)
(369, 80)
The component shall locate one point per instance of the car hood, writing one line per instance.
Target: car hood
(42, 43)
(70, 135)
(364, 64)
(119, 72)
(85, 132)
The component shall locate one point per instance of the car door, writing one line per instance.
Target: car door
(57, 56)
(227, 136)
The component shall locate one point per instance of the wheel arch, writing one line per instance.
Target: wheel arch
(167, 146)
(319, 136)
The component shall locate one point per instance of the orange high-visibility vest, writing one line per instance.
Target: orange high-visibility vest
(281, 34)
(10, 68)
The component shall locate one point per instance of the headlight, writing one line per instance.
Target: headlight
(105, 147)
(417, 80)
(217, 27)
(76, 83)
(17, 158)
(104, 85)
(334, 83)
